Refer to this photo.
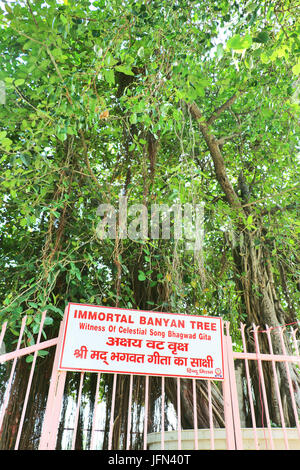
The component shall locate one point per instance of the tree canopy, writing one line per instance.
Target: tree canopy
(164, 102)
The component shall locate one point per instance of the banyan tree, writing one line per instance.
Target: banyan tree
(159, 103)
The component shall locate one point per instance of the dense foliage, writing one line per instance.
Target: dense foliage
(169, 102)
(115, 98)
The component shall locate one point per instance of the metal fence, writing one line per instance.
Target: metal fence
(256, 388)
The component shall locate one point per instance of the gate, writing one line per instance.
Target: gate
(237, 392)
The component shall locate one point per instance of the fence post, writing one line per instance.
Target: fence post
(234, 395)
(229, 427)
(231, 404)
(54, 401)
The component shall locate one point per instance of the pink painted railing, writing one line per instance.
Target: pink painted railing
(293, 382)
(233, 429)
(14, 356)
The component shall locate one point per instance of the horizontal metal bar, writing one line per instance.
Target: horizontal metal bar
(28, 350)
(265, 357)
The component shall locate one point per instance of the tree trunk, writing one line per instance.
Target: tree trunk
(254, 274)
(35, 408)
(202, 401)
(254, 277)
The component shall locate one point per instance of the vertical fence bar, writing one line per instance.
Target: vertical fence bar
(233, 392)
(29, 383)
(195, 414)
(178, 414)
(97, 396)
(268, 332)
(211, 424)
(229, 427)
(111, 424)
(129, 412)
(54, 401)
(162, 412)
(290, 382)
(77, 410)
(249, 388)
(7, 392)
(262, 384)
(146, 410)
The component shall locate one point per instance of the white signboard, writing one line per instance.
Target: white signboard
(108, 339)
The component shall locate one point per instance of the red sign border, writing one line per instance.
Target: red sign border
(75, 369)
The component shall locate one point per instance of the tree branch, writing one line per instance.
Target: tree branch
(217, 157)
(222, 140)
(216, 113)
(31, 12)
(85, 151)
(274, 209)
(59, 74)
(273, 195)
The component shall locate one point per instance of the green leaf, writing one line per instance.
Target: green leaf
(262, 37)
(296, 68)
(62, 136)
(220, 51)
(23, 222)
(249, 220)
(141, 52)
(63, 19)
(124, 69)
(133, 118)
(239, 43)
(27, 45)
(141, 276)
(19, 82)
(109, 76)
(43, 353)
